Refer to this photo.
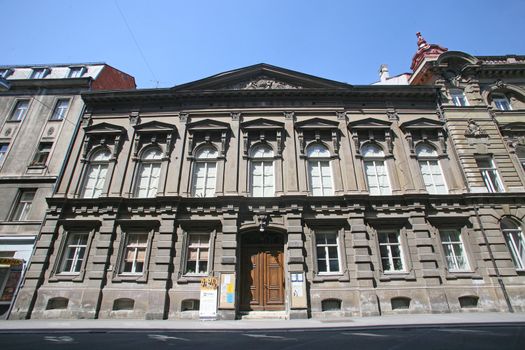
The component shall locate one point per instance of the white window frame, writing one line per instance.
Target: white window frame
(19, 112)
(375, 162)
(42, 154)
(452, 260)
(390, 256)
(76, 72)
(60, 111)
(38, 73)
(492, 186)
(135, 245)
(149, 165)
(96, 166)
(459, 98)
(429, 161)
(322, 163)
(23, 206)
(264, 161)
(205, 160)
(74, 245)
(501, 102)
(514, 245)
(198, 247)
(326, 247)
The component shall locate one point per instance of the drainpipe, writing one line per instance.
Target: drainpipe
(491, 255)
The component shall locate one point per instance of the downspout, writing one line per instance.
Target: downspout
(491, 255)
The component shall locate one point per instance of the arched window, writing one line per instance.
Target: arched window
(319, 170)
(262, 181)
(147, 181)
(427, 157)
(501, 102)
(205, 172)
(375, 170)
(96, 174)
(515, 241)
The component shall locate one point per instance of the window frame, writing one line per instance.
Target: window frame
(206, 161)
(457, 96)
(141, 166)
(327, 257)
(89, 167)
(61, 116)
(374, 159)
(66, 250)
(39, 73)
(464, 246)
(136, 248)
(125, 229)
(187, 247)
(3, 154)
(80, 69)
(402, 254)
(316, 161)
(42, 153)
(18, 202)
(263, 162)
(513, 248)
(501, 102)
(490, 187)
(19, 118)
(428, 159)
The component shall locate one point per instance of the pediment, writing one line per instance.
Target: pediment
(369, 123)
(104, 128)
(155, 127)
(208, 125)
(262, 124)
(317, 124)
(262, 77)
(422, 123)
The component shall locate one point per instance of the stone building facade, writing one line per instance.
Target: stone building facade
(317, 198)
(40, 109)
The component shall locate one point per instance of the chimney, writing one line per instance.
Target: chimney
(383, 73)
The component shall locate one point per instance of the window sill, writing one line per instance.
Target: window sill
(191, 278)
(13, 121)
(331, 277)
(397, 275)
(65, 276)
(131, 277)
(28, 222)
(454, 275)
(37, 166)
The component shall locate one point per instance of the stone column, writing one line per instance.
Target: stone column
(295, 258)
(227, 255)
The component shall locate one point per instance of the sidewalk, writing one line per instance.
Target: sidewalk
(464, 319)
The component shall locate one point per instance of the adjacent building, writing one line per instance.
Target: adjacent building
(305, 197)
(40, 107)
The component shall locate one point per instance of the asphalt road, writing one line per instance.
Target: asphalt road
(437, 337)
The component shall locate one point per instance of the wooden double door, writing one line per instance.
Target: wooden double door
(262, 275)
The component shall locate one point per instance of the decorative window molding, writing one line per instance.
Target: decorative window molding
(204, 173)
(376, 170)
(135, 241)
(372, 130)
(458, 98)
(103, 134)
(154, 133)
(490, 174)
(328, 245)
(426, 130)
(191, 246)
(208, 131)
(430, 167)
(263, 130)
(73, 249)
(148, 171)
(318, 130)
(96, 174)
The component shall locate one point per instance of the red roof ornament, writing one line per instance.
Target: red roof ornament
(425, 50)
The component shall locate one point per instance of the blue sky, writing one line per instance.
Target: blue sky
(181, 41)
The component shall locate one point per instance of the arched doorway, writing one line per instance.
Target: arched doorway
(262, 271)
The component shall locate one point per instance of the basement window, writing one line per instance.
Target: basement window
(400, 303)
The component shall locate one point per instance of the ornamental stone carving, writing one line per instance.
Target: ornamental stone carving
(473, 129)
(262, 83)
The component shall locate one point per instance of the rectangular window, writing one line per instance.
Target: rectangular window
(76, 72)
(454, 250)
(135, 253)
(23, 205)
(74, 253)
(42, 153)
(432, 176)
(377, 178)
(320, 178)
(204, 179)
(516, 244)
(197, 255)
(20, 111)
(458, 97)
(4, 147)
(327, 253)
(59, 113)
(490, 174)
(4, 72)
(391, 252)
(262, 178)
(38, 73)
